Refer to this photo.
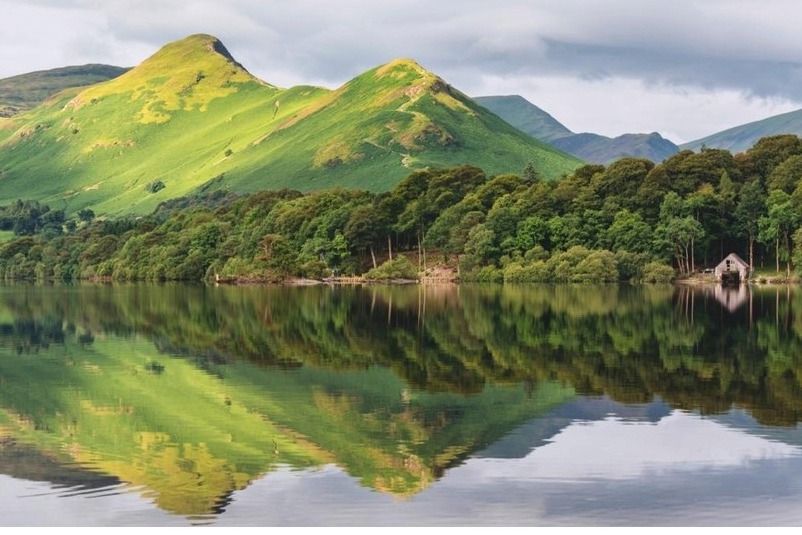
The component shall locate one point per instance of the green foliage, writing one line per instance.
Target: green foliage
(657, 272)
(154, 186)
(597, 224)
(398, 268)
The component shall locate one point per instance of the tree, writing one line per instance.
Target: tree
(86, 215)
(778, 225)
(531, 173)
(629, 232)
(678, 231)
(750, 207)
(277, 254)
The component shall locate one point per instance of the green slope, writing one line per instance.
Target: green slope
(741, 138)
(191, 117)
(525, 116)
(25, 91)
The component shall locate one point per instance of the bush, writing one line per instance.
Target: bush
(314, 269)
(536, 271)
(485, 274)
(657, 272)
(630, 265)
(598, 266)
(398, 268)
(153, 187)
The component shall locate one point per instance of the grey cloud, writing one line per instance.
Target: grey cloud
(750, 46)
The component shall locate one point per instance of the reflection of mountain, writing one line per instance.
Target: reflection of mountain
(194, 392)
(191, 437)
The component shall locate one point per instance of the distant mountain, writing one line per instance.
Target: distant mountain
(191, 118)
(23, 92)
(593, 148)
(740, 138)
(525, 116)
(601, 149)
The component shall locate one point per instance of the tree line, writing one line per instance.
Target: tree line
(631, 220)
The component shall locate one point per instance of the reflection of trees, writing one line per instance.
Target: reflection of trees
(628, 342)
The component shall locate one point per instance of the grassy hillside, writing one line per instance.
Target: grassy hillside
(741, 138)
(190, 117)
(525, 116)
(592, 148)
(25, 91)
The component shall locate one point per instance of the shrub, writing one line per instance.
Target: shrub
(487, 274)
(657, 272)
(314, 269)
(153, 187)
(630, 265)
(598, 266)
(398, 268)
(536, 271)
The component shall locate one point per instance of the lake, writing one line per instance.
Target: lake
(404, 405)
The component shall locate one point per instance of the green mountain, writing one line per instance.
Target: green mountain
(25, 91)
(593, 148)
(741, 138)
(191, 118)
(525, 116)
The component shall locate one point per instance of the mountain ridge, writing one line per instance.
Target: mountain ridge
(190, 118)
(22, 92)
(742, 137)
(590, 147)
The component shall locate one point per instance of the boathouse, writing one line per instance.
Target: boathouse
(732, 269)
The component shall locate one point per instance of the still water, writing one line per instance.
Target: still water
(510, 405)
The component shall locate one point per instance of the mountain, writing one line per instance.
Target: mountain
(525, 116)
(23, 92)
(740, 138)
(601, 149)
(190, 118)
(593, 148)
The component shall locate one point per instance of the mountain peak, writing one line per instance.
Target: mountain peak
(185, 74)
(193, 48)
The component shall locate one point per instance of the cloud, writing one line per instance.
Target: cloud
(746, 48)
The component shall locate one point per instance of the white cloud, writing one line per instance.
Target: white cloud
(614, 106)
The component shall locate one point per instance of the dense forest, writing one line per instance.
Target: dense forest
(631, 220)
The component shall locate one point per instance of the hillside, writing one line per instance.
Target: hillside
(593, 148)
(25, 91)
(741, 138)
(601, 149)
(191, 118)
(525, 116)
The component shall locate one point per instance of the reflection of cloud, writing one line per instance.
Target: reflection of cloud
(614, 449)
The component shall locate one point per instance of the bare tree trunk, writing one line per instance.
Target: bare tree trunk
(419, 253)
(373, 257)
(777, 252)
(693, 256)
(390, 247)
(787, 257)
(751, 253)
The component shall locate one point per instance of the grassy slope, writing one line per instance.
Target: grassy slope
(525, 116)
(174, 117)
(25, 91)
(741, 138)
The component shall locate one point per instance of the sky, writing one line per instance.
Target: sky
(683, 68)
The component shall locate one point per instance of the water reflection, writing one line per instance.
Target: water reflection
(188, 396)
